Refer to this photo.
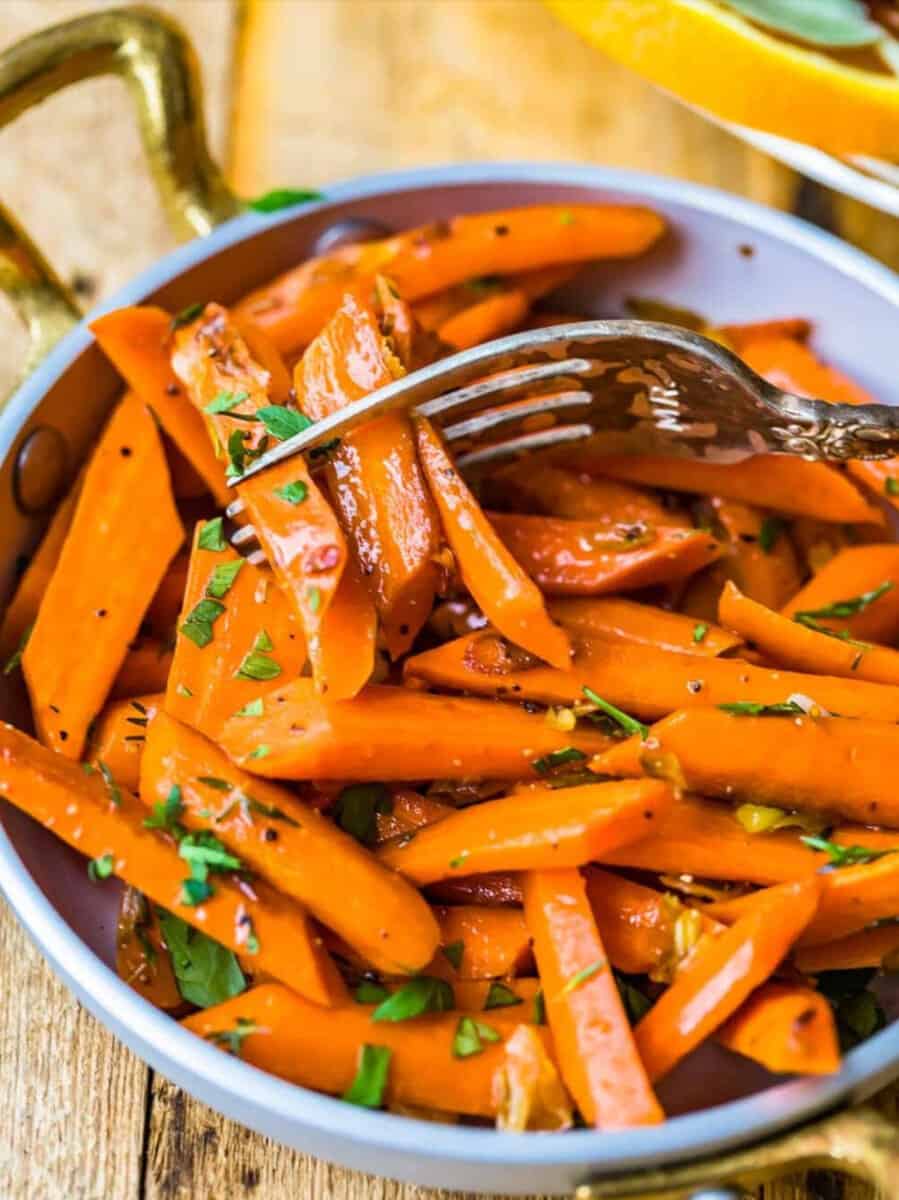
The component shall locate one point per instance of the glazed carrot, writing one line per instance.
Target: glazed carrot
(481, 943)
(393, 733)
(594, 1045)
(408, 811)
(828, 765)
(309, 858)
(267, 355)
(853, 572)
(494, 890)
(289, 1035)
(761, 559)
(375, 480)
(118, 735)
(787, 1028)
(704, 838)
(567, 557)
(22, 610)
(436, 311)
(777, 481)
(142, 959)
(489, 318)
(799, 647)
(293, 308)
(84, 812)
(488, 570)
(740, 337)
(225, 665)
(639, 679)
(539, 486)
(867, 948)
(535, 829)
(124, 533)
(616, 619)
(138, 343)
(145, 668)
(722, 975)
(162, 615)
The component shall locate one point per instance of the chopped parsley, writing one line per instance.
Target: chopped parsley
(370, 992)
(499, 995)
(283, 423)
(459, 860)
(232, 1040)
(115, 792)
(253, 708)
(752, 708)
(263, 642)
(891, 485)
(259, 752)
(222, 579)
(198, 624)
(182, 690)
(539, 1008)
(206, 972)
(100, 868)
(846, 608)
(423, 994)
(280, 198)
(15, 658)
(225, 401)
(186, 315)
(470, 1037)
(293, 493)
(453, 953)
(770, 532)
(558, 758)
(211, 536)
(213, 781)
(357, 808)
(700, 630)
(581, 977)
(271, 811)
(845, 856)
(370, 1082)
(166, 814)
(313, 599)
(259, 667)
(628, 724)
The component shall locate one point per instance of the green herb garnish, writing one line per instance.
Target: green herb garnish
(539, 1008)
(213, 781)
(770, 532)
(558, 758)
(253, 708)
(293, 493)
(100, 868)
(279, 198)
(423, 994)
(453, 953)
(628, 724)
(283, 423)
(847, 608)
(369, 992)
(470, 1037)
(206, 972)
(225, 401)
(211, 535)
(199, 621)
(115, 792)
(752, 708)
(459, 860)
(15, 658)
(582, 976)
(845, 856)
(891, 485)
(183, 691)
(259, 667)
(165, 814)
(357, 807)
(259, 752)
(222, 579)
(500, 996)
(313, 599)
(271, 811)
(700, 629)
(367, 1088)
(636, 1004)
(232, 1040)
(186, 315)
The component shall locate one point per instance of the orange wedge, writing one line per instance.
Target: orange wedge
(706, 54)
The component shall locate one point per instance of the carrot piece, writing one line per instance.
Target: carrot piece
(375, 479)
(787, 1028)
(741, 336)
(566, 557)
(541, 487)
(761, 558)
(82, 810)
(704, 838)
(532, 829)
(639, 679)
(489, 943)
(495, 890)
(722, 974)
(829, 765)
(777, 481)
(488, 570)
(290, 1035)
(162, 616)
(267, 355)
(408, 811)
(255, 639)
(616, 619)
(867, 948)
(293, 308)
(788, 643)
(138, 343)
(853, 572)
(392, 733)
(117, 738)
(142, 959)
(145, 668)
(593, 1041)
(22, 610)
(309, 858)
(489, 318)
(437, 310)
(124, 533)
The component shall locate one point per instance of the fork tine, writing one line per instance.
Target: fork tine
(507, 384)
(521, 410)
(235, 508)
(544, 439)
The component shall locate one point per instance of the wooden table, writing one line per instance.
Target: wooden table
(301, 92)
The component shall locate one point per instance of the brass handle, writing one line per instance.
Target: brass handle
(858, 1142)
(157, 63)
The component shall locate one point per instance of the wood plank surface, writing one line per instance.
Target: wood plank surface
(325, 89)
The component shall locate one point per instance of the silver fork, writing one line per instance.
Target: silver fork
(628, 386)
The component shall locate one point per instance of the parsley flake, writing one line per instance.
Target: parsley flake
(258, 666)
(470, 1037)
(423, 994)
(232, 1040)
(313, 599)
(283, 423)
(100, 868)
(15, 658)
(222, 579)
(253, 708)
(259, 752)
(891, 485)
(453, 953)
(628, 724)
(582, 976)
(752, 708)
(845, 856)
(370, 992)
(499, 995)
(847, 608)
(211, 536)
(115, 792)
(166, 814)
(198, 624)
(770, 532)
(357, 807)
(700, 629)
(370, 1082)
(293, 493)
(558, 758)
(280, 198)
(225, 401)
(206, 972)
(186, 315)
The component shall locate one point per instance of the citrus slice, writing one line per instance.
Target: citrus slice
(705, 53)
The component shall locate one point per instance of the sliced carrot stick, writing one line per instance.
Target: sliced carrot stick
(487, 319)
(499, 586)
(439, 310)
(142, 959)
(224, 666)
(481, 943)
(392, 733)
(799, 647)
(289, 1035)
(853, 572)
(22, 610)
(138, 343)
(722, 975)
(592, 1036)
(619, 620)
(761, 559)
(124, 533)
(165, 607)
(740, 337)
(787, 1028)
(421, 262)
(534, 829)
(867, 948)
(776, 481)
(85, 812)
(566, 557)
(828, 765)
(118, 735)
(293, 846)
(145, 668)
(375, 480)
(408, 811)
(639, 679)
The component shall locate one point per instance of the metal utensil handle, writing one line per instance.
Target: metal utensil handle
(859, 1142)
(157, 63)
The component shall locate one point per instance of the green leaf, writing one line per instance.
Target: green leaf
(100, 868)
(558, 758)
(195, 891)
(628, 724)
(367, 1089)
(420, 995)
(845, 856)
(222, 579)
(470, 1037)
(199, 621)
(846, 608)
(271, 811)
(700, 629)
(459, 861)
(263, 642)
(279, 198)
(15, 658)
(752, 708)
(581, 977)
(205, 850)
(501, 996)
(225, 401)
(540, 1008)
(258, 666)
(313, 599)
(891, 485)
(186, 315)
(232, 1040)
(183, 691)
(165, 814)
(369, 992)
(833, 24)
(115, 792)
(206, 972)
(211, 535)
(213, 781)
(770, 532)
(253, 708)
(453, 953)
(357, 807)
(293, 493)
(283, 423)
(260, 752)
